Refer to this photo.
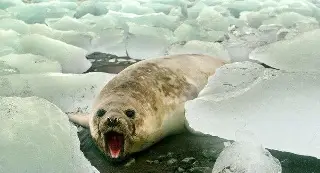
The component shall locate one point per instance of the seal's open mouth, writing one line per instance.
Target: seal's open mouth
(115, 143)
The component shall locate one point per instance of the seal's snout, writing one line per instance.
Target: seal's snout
(115, 143)
(112, 121)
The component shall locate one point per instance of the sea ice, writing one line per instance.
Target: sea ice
(253, 18)
(302, 7)
(96, 8)
(186, 32)
(9, 39)
(246, 157)
(6, 50)
(71, 58)
(135, 8)
(28, 63)
(38, 12)
(242, 41)
(236, 7)
(4, 14)
(79, 39)
(112, 41)
(138, 49)
(98, 24)
(163, 33)
(200, 47)
(279, 109)
(210, 19)
(159, 7)
(153, 19)
(195, 10)
(5, 69)
(67, 23)
(36, 136)
(70, 92)
(14, 24)
(9, 3)
(289, 19)
(298, 54)
(158, 40)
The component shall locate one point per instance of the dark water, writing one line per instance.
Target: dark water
(183, 153)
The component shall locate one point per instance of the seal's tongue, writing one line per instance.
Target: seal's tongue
(115, 143)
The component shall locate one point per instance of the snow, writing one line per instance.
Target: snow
(37, 137)
(275, 106)
(70, 92)
(246, 157)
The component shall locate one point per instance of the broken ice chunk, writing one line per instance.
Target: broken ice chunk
(79, 39)
(194, 11)
(304, 8)
(187, 32)
(158, 40)
(138, 49)
(150, 31)
(237, 7)
(112, 41)
(153, 19)
(298, 54)
(4, 14)
(9, 39)
(289, 19)
(6, 50)
(246, 157)
(135, 8)
(201, 47)
(38, 12)
(5, 69)
(28, 63)
(253, 18)
(67, 23)
(10, 3)
(14, 24)
(41, 29)
(159, 7)
(70, 92)
(37, 135)
(279, 108)
(71, 58)
(210, 19)
(96, 8)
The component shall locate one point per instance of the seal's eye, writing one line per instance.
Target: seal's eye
(101, 112)
(130, 113)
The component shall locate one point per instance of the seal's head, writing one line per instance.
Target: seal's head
(120, 127)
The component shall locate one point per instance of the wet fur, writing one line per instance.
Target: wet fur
(157, 90)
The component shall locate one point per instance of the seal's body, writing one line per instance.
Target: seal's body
(145, 102)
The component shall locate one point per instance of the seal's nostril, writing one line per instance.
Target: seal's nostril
(111, 122)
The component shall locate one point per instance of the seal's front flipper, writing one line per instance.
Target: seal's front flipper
(80, 119)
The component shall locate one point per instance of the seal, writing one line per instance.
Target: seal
(145, 102)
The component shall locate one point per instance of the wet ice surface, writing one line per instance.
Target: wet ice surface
(37, 137)
(70, 92)
(246, 157)
(274, 107)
